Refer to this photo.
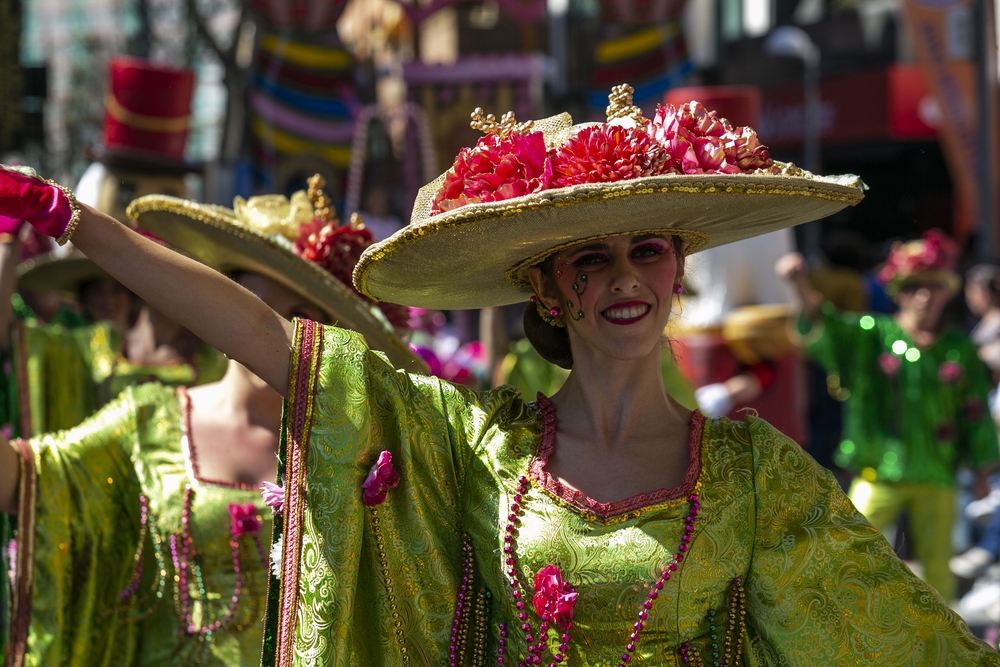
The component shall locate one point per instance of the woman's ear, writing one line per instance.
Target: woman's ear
(543, 287)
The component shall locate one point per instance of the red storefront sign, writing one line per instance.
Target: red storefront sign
(892, 103)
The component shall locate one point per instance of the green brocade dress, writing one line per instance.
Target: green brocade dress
(775, 542)
(82, 502)
(910, 415)
(63, 375)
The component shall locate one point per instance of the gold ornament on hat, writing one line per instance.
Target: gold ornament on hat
(620, 104)
(507, 126)
(320, 202)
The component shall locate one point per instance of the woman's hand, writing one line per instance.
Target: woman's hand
(45, 206)
(793, 268)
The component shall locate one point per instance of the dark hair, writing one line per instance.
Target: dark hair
(986, 277)
(552, 342)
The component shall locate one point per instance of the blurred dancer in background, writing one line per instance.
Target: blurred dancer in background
(918, 396)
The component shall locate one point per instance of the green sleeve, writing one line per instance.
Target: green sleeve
(831, 338)
(53, 380)
(86, 529)
(350, 559)
(825, 588)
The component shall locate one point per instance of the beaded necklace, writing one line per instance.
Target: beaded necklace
(535, 650)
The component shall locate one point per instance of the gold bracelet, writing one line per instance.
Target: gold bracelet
(74, 218)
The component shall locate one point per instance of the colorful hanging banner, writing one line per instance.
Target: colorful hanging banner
(942, 32)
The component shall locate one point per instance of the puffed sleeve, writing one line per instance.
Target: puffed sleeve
(78, 529)
(363, 584)
(825, 588)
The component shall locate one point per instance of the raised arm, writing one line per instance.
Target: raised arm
(792, 267)
(214, 308)
(217, 310)
(10, 252)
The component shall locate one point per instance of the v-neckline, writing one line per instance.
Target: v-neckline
(587, 506)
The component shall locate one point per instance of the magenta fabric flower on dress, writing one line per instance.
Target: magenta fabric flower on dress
(245, 519)
(889, 363)
(273, 496)
(950, 372)
(381, 478)
(494, 170)
(554, 598)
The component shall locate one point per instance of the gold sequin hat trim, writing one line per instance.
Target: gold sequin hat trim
(477, 255)
(217, 237)
(54, 273)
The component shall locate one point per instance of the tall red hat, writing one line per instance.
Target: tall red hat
(148, 110)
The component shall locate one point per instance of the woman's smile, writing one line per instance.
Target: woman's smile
(627, 312)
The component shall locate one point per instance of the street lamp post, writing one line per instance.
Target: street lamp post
(792, 42)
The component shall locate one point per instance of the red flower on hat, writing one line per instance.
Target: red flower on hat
(933, 252)
(606, 153)
(699, 142)
(337, 250)
(554, 598)
(494, 170)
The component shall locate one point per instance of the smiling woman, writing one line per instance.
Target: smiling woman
(601, 526)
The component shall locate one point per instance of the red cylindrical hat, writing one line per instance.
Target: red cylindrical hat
(148, 108)
(740, 105)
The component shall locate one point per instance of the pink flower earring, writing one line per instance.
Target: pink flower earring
(678, 289)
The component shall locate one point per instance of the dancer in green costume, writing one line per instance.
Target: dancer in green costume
(917, 407)
(426, 524)
(142, 536)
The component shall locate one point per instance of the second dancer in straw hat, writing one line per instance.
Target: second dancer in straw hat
(142, 530)
(423, 523)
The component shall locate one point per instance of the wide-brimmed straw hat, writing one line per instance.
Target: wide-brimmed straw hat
(527, 191)
(55, 273)
(259, 236)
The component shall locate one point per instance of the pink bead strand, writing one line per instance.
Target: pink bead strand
(183, 565)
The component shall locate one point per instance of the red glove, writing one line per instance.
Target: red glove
(49, 208)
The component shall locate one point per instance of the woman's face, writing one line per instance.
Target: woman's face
(105, 300)
(615, 295)
(282, 300)
(977, 298)
(923, 302)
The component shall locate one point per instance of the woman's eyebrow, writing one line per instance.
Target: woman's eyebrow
(590, 248)
(647, 237)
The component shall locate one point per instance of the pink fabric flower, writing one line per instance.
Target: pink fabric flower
(889, 363)
(381, 478)
(245, 519)
(274, 496)
(494, 170)
(950, 372)
(554, 598)
(607, 153)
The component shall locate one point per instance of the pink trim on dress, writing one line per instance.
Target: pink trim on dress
(583, 502)
(301, 392)
(24, 577)
(187, 444)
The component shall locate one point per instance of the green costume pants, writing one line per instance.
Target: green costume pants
(931, 509)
